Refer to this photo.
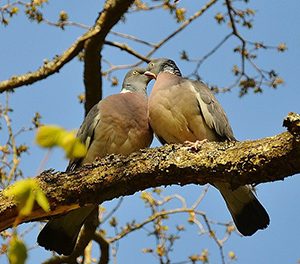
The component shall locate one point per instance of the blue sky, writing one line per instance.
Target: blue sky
(24, 45)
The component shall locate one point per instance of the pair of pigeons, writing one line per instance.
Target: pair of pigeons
(178, 110)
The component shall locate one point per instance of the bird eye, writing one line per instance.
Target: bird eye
(134, 73)
(151, 64)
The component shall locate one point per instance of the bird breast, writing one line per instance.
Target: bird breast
(175, 114)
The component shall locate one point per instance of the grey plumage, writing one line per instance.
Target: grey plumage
(85, 134)
(116, 125)
(212, 111)
(186, 110)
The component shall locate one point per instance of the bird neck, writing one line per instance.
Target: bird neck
(173, 69)
(129, 88)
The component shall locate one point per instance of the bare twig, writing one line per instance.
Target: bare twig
(166, 39)
(112, 211)
(12, 143)
(236, 33)
(183, 25)
(213, 235)
(201, 197)
(131, 37)
(125, 47)
(210, 53)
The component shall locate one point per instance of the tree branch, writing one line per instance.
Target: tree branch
(47, 69)
(159, 44)
(112, 12)
(236, 33)
(239, 163)
(129, 50)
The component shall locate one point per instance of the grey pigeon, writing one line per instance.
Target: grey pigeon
(116, 125)
(182, 110)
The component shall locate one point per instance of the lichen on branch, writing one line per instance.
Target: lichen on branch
(238, 163)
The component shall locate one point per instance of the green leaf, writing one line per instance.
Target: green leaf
(25, 193)
(42, 200)
(72, 145)
(17, 251)
(48, 136)
(25, 207)
(79, 150)
(21, 192)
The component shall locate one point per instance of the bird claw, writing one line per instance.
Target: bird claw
(195, 146)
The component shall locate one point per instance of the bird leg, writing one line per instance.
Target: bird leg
(195, 146)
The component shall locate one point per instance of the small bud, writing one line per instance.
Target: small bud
(282, 47)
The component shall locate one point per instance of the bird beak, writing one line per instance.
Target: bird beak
(150, 74)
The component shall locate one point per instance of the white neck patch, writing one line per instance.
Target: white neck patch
(125, 91)
(169, 71)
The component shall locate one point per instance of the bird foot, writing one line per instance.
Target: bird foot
(195, 146)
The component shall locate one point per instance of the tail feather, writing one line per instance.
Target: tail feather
(60, 234)
(247, 212)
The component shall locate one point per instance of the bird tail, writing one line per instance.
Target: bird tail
(60, 234)
(247, 212)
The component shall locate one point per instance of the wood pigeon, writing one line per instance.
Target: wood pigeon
(116, 125)
(183, 110)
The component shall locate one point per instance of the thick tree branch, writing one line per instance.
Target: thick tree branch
(239, 163)
(92, 42)
(48, 68)
(112, 12)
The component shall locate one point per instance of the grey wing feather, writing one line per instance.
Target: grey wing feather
(86, 134)
(212, 111)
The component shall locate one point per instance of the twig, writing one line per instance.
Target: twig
(183, 26)
(146, 8)
(149, 220)
(112, 211)
(236, 33)
(213, 235)
(11, 142)
(201, 197)
(205, 57)
(166, 39)
(131, 37)
(125, 47)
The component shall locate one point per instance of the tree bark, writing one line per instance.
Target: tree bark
(238, 163)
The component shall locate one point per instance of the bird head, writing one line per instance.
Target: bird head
(136, 81)
(161, 65)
